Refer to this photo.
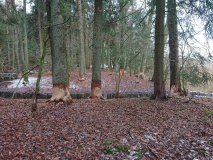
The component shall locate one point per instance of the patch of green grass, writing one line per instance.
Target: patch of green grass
(208, 115)
(122, 148)
(211, 142)
(110, 151)
(140, 153)
(201, 151)
(109, 142)
(111, 147)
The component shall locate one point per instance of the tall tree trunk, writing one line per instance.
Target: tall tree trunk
(16, 41)
(15, 31)
(60, 75)
(39, 26)
(13, 42)
(1, 65)
(82, 53)
(20, 37)
(87, 49)
(173, 46)
(123, 7)
(148, 47)
(26, 59)
(68, 47)
(96, 64)
(159, 86)
(8, 48)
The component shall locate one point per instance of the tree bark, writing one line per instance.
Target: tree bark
(96, 64)
(173, 46)
(16, 41)
(124, 8)
(26, 57)
(82, 53)
(159, 86)
(20, 37)
(60, 91)
(39, 26)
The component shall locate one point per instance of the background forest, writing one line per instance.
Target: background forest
(127, 37)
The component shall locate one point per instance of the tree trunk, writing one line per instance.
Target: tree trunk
(87, 49)
(124, 8)
(13, 43)
(39, 26)
(8, 48)
(96, 64)
(20, 36)
(16, 41)
(1, 65)
(82, 53)
(60, 75)
(159, 86)
(173, 46)
(26, 59)
(148, 51)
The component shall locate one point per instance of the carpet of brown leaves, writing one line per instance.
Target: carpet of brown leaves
(126, 128)
(134, 128)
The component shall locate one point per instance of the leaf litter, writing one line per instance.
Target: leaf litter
(128, 128)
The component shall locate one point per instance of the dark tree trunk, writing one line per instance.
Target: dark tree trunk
(96, 64)
(173, 46)
(60, 75)
(159, 86)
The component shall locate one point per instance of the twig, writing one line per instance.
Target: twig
(189, 100)
(153, 153)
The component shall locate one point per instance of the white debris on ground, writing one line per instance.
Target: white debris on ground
(74, 86)
(46, 83)
(19, 84)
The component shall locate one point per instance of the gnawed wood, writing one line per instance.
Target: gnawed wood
(60, 93)
(96, 91)
(81, 78)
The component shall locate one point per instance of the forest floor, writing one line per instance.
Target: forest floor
(124, 128)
